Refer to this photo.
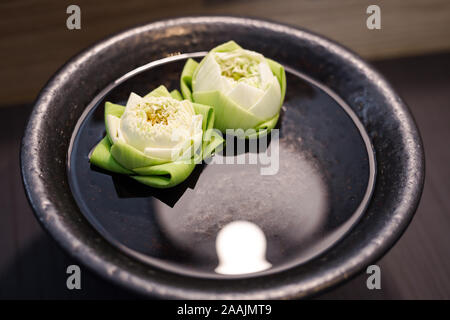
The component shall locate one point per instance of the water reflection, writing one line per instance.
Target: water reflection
(241, 248)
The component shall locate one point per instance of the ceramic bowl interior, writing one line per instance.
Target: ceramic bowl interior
(314, 185)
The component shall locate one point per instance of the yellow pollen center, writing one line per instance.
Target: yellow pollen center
(157, 116)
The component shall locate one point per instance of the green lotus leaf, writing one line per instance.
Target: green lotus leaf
(211, 140)
(214, 143)
(102, 158)
(161, 91)
(227, 46)
(165, 175)
(229, 114)
(114, 154)
(186, 78)
(176, 95)
(278, 71)
(264, 128)
(131, 158)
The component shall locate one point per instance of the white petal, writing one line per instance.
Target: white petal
(162, 153)
(113, 124)
(265, 74)
(163, 141)
(269, 104)
(184, 150)
(196, 123)
(209, 77)
(194, 146)
(198, 140)
(245, 95)
(179, 135)
(133, 100)
(120, 135)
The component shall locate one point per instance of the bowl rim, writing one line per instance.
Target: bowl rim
(319, 279)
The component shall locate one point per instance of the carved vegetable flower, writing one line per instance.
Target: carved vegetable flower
(156, 139)
(245, 89)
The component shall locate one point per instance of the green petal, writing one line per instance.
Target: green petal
(214, 142)
(165, 175)
(211, 140)
(228, 115)
(176, 95)
(131, 158)
(186, 78)
(278, 71)
(227, 46)
(114, 109)
(101, 157)
(265, 127)
(207, 113)
(161, 91)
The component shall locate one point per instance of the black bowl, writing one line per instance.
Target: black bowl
(350, 178)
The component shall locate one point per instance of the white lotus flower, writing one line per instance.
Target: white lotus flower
(157, 139)
(244, 77)
(245, 89)
(160, 127)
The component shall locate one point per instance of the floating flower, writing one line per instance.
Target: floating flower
(245, 89)
(156, 139)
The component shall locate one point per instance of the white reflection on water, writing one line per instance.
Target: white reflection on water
(291, 207)
(241, 248)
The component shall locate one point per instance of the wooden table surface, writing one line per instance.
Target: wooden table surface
(418, 267)
(35, 39)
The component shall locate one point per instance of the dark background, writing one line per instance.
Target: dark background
(412, 50)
